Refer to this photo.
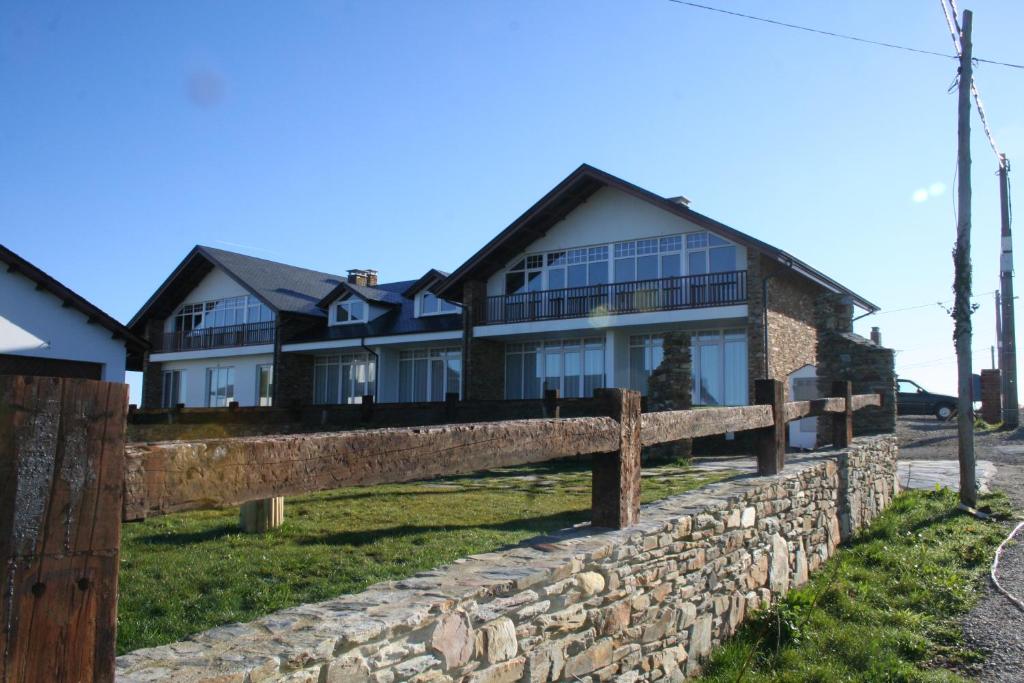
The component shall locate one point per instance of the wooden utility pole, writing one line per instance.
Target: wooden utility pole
(962, 274)
(1007, 334)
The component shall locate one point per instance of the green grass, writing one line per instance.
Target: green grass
(885, 608)
(188, 572)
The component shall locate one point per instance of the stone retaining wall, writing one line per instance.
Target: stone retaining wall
(641, 604)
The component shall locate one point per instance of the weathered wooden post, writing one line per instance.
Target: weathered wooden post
(770, 442)
(551, 408)
(842, 423)
(62, 479)
(260, 516)
(615, 493)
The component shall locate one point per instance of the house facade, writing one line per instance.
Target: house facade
(46, 329)
(574, 295)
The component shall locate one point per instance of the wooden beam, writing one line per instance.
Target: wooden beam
(771, 441)
(674, 425)
(177, 476)
(61, 474)
(615, 492)
(865, 400)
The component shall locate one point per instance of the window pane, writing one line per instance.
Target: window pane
(513, 376)
(556, 278)
(625, 270)
(535, 281)
(637, 369)
(428, 304)
(532, 373)
(347, 393)
(696, 240)
(670, 266)
(420, 379)
(437, 371)
(715, 240)
(598, 273)
(647, 268)
(553, 369)
(331, 393)
(736, 373)
(514, 282)
(571, 385)
(594, 369)
(577, 276)
(696, 263)
(320, 384)
(673, 243)
(405, 381)
(341, 313)
(710, 375)
(722, 259)
(454, 369)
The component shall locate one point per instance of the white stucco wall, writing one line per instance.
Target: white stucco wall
(194, 376)
(609, 215)
(216, 285)
(66, 331)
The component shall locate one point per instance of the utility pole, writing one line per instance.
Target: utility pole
(1007, 340)
(962, 273)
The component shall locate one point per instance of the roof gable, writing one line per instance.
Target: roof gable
(428, 280)
(575, 189)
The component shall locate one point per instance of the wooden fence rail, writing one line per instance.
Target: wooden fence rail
(68, 482)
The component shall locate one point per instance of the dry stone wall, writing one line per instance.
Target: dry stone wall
(646, 603)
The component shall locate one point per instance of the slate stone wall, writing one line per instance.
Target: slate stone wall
(647, 603)
(670, 388)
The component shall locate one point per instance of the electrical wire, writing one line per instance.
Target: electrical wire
(995, 566)
(843, 36)
(929, 305)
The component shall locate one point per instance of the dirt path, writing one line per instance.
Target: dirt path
(995, 626)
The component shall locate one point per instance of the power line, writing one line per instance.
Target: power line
(844, 36)
(929, 305)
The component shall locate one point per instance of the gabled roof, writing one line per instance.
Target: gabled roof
(576, 189)
(283, 288)
(374, 295)
(428, 279)
(15, 263)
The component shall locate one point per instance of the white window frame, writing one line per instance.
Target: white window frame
(347, 305)
(719, 338)
(446, 355)
(652, 345)
(226, 372)
(440, 306)
(247, 307)
(176, 376)
(360, 364)
(262, 400)
(557, 347)
(705, 242)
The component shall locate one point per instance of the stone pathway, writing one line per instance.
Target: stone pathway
(925, 474)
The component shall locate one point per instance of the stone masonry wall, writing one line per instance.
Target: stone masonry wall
(792, 328)
(152, 373)
(670, 388)
(645, 603)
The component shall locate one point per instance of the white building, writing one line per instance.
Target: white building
(47, 329)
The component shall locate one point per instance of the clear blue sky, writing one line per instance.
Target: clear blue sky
(403, 135)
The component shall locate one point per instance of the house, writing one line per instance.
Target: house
(47, 329)
(573, 295)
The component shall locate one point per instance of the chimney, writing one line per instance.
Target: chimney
(359, 276)
(680, 200)
(876, 336)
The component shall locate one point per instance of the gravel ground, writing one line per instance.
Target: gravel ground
(995, 626)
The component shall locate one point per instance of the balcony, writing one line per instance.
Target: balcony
(666, 294)
(249, 334)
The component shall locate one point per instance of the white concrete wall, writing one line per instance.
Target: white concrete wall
(609, 215)
(216, 285)
(66, 331)
(194, 377)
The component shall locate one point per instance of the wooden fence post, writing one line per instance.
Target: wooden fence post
(842, 423)
(771, 441)
(62, 478)
(260, 516)
(551, 408)
(615, 493)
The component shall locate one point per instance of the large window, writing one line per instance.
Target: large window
(709, 253)
(431, 304)
(220, 386)
(350, 311)
(264, 385)
(575, 367)
(344, 378)
(645, 354)
(171, 391)
(236, 310)
(429, 374)
(720, 368)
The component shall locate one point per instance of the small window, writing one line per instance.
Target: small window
(431, 304)
(351, 311)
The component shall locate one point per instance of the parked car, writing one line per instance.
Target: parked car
(913, 399)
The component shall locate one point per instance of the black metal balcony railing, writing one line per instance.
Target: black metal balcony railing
(666, 294)
(247, 334)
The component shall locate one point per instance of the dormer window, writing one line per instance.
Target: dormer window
(350, 311)
(431, 304)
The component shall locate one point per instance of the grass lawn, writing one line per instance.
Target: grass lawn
(188, 572)
(885, 608)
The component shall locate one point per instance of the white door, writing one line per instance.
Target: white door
(803, 386)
